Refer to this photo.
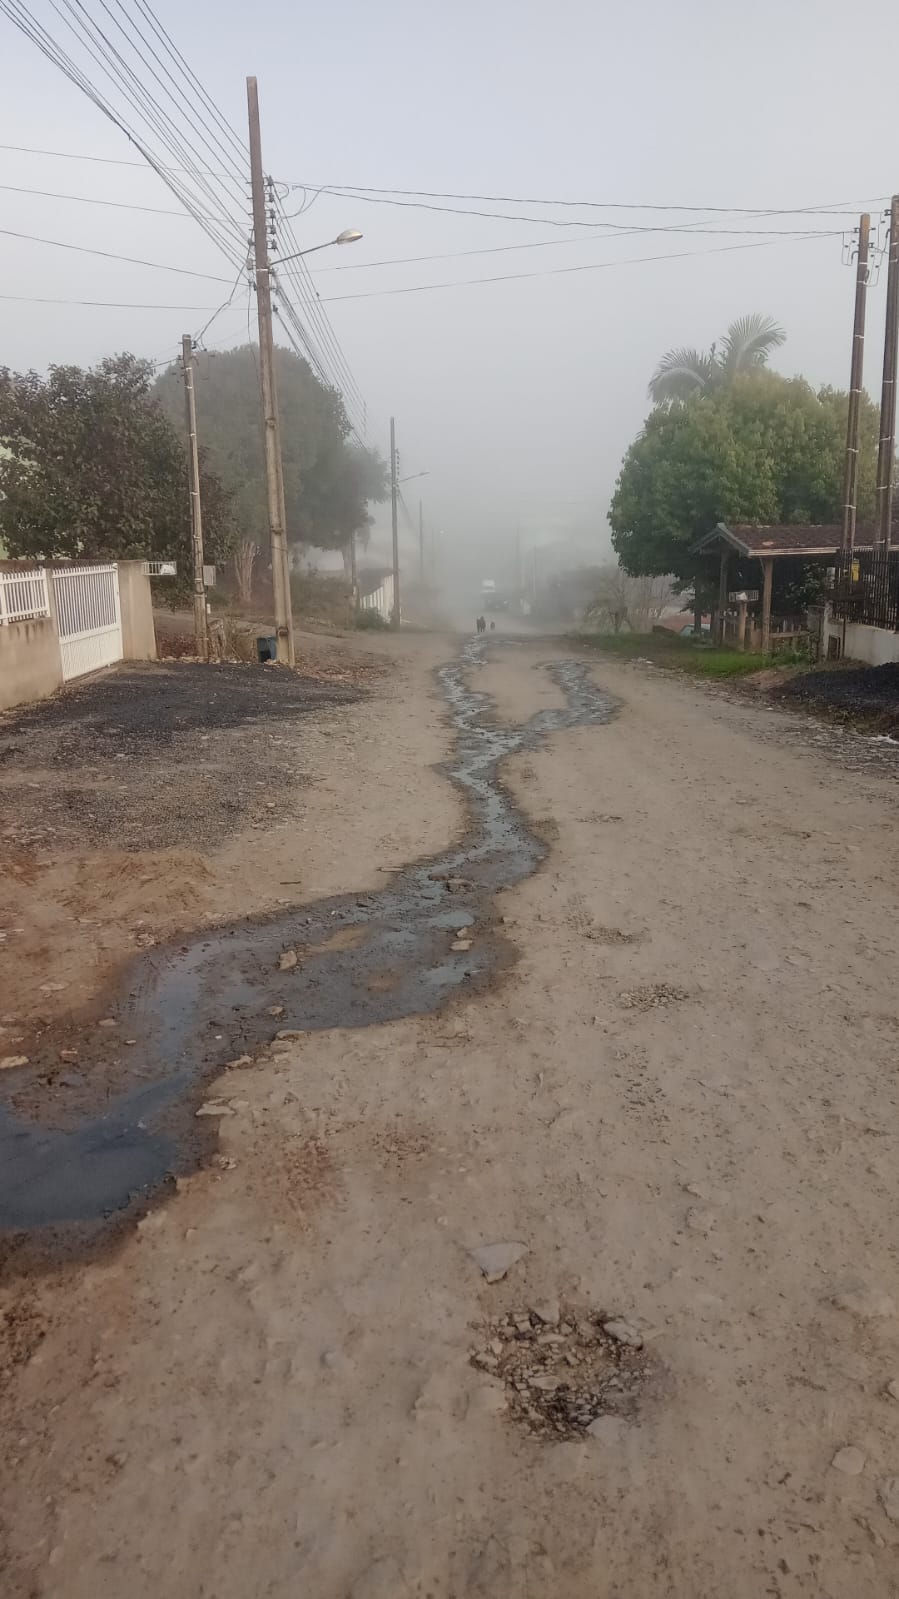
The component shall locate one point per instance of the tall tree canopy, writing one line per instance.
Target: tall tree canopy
(744, 348)
(328, 481)
(762, 449)
(92, 469)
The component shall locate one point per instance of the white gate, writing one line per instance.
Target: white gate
(90, 621)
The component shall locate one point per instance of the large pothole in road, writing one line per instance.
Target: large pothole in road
(567, 1373)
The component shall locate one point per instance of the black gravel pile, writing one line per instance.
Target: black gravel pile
(156, 755)
(864, 694)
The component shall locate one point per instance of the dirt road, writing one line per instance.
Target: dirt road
(677, 1107)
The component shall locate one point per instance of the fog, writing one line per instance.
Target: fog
(516, 398)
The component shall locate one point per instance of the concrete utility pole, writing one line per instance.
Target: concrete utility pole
(850, 477)
(272, 427)
(421, 544)
(886, 452)
(201, 640)
(394, 491)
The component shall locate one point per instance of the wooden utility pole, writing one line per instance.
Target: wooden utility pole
(886, 451)
(201, 639)
(421, 544)
(272, 427)
(850, 476)
(394, 491)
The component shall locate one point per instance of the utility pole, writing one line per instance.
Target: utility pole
(886, 451)
(850, 478)
(272, 427)
(394, 490)
(201, 640)
(421, 544)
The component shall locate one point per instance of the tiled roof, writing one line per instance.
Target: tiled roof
(754, 538)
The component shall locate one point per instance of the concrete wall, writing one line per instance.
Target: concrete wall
(136, 600)
(876, 646)
(30, 663)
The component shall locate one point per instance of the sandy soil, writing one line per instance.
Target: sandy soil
(681, 1100)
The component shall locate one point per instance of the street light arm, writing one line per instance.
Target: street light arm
(348, 236)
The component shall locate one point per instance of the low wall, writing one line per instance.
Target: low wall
(136, 601)
(30, 663)
(876, 646)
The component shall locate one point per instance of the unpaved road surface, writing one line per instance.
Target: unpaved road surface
(676, 1109)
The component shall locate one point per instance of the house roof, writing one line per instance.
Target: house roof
(759, 539)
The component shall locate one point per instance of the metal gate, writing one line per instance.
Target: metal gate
(90, 621)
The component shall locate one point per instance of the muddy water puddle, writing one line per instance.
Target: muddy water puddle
(194, 1005)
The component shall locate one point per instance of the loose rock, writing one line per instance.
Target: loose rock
(215, 1107)
(624, 1332)
(607, 1429)
(9, 1062)
(850, 1461)
(287, 960)
(461, 944)
(893, 1389)
(495, 1259)
(547, 1311)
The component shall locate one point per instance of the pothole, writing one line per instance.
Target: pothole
(565, 1369)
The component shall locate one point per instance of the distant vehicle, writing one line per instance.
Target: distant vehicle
(490, 599)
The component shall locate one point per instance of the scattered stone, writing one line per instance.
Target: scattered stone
(607, 1429)
(888, 1494)
(893, 1389)
(70, 1080)
(495, 1259)
(287, 960)
(108, 1021)
(215, 1107)
(9, 1062)
(548, 1312)
(53, 988)
(700, 1221)
(850, 1461)
(461, 944)
(558, 1383)
(864, 1301)
(290, 1032)
(276, 1010)
(457, 885)
(624, 1332)
(67, 1056)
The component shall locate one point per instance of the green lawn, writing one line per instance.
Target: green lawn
(682, 655)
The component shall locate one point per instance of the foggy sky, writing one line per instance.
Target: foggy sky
(517, 398)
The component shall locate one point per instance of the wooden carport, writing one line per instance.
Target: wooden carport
(766, 544)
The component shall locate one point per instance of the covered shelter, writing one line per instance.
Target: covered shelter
(766, 544)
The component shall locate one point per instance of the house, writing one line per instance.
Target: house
(375, 592)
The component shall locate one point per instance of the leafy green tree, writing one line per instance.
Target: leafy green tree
(328, 481)
(744, 348)
(763, 449)
(92, 469)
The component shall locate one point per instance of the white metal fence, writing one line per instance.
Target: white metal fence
(23, 595)
(90, 622)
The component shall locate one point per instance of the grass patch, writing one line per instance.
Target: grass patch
(682, 655)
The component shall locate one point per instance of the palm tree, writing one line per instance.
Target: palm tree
(745, 347)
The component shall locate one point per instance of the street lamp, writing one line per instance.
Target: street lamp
(348, 236)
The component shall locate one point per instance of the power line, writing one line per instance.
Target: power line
(119, 305)
(110, 255)
(587, 238)
(360, 190)
(556, 222)
(218, 218)
(88, 199)
(549, 272)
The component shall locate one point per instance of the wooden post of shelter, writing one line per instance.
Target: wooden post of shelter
(722, 594)
(768, 579)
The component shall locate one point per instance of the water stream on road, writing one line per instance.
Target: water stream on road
(362, 958)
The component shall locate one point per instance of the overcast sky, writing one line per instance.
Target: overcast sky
(518, 398)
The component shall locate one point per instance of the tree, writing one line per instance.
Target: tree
(745, 347)
(328, 481)
(619, 598)
(763, 449)
(93, 470)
